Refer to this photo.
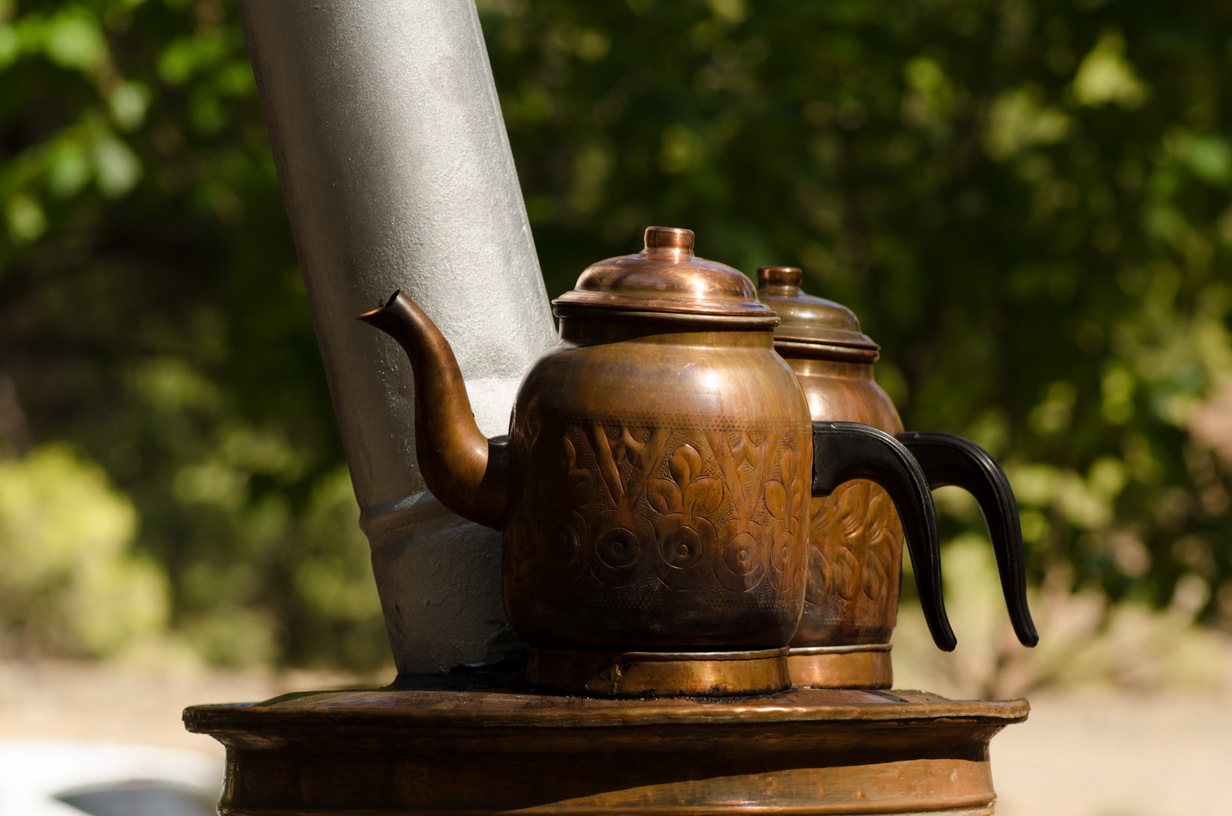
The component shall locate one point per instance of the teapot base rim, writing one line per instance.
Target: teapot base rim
(660, 674)
(866, 665)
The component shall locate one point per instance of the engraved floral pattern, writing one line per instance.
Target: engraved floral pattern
(627, 512)
(854, 547)
(685, 502)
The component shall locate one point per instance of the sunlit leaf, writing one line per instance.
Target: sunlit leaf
(69, 167)
(74, 39)
(26, 219)
(10, 45)
(116, 168)
(1105, 75)
(128, 103)
(1210, 157)
(184, 58)
(1019, 120)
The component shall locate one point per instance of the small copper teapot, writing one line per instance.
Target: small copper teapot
(654, 487)
(855, 540)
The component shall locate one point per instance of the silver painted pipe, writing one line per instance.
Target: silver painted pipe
(396, 173)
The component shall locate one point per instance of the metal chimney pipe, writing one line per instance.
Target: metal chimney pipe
(396, 173)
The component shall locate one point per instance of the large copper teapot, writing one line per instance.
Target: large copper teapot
(655, 484)
(855, 538)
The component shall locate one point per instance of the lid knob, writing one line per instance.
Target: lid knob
(669, 239)
(780, 275)
(812, 321)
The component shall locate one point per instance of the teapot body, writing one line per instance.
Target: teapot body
(853, 569)
(659, 491)
(855, 546)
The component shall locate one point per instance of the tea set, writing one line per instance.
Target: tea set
(703, 491)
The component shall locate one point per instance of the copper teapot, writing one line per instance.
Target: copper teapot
(855, 540)
(654, 487)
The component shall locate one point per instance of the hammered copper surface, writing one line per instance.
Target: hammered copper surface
(446, 746)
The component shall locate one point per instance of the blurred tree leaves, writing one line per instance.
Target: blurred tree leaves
(1028, 205)
(70, 583)
(152, 315)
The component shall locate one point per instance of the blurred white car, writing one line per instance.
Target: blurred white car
(47, 778)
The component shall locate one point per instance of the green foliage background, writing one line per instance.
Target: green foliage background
(1028, 205)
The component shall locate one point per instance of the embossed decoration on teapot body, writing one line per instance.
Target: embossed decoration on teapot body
(659, 491)
(855, 542)
(855, 545)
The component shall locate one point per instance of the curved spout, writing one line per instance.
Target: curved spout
(464, 469)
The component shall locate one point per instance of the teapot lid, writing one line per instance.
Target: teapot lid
(666, 281)
(809, 320)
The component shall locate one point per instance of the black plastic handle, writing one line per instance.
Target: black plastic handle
(952, 460)
(850, 450)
